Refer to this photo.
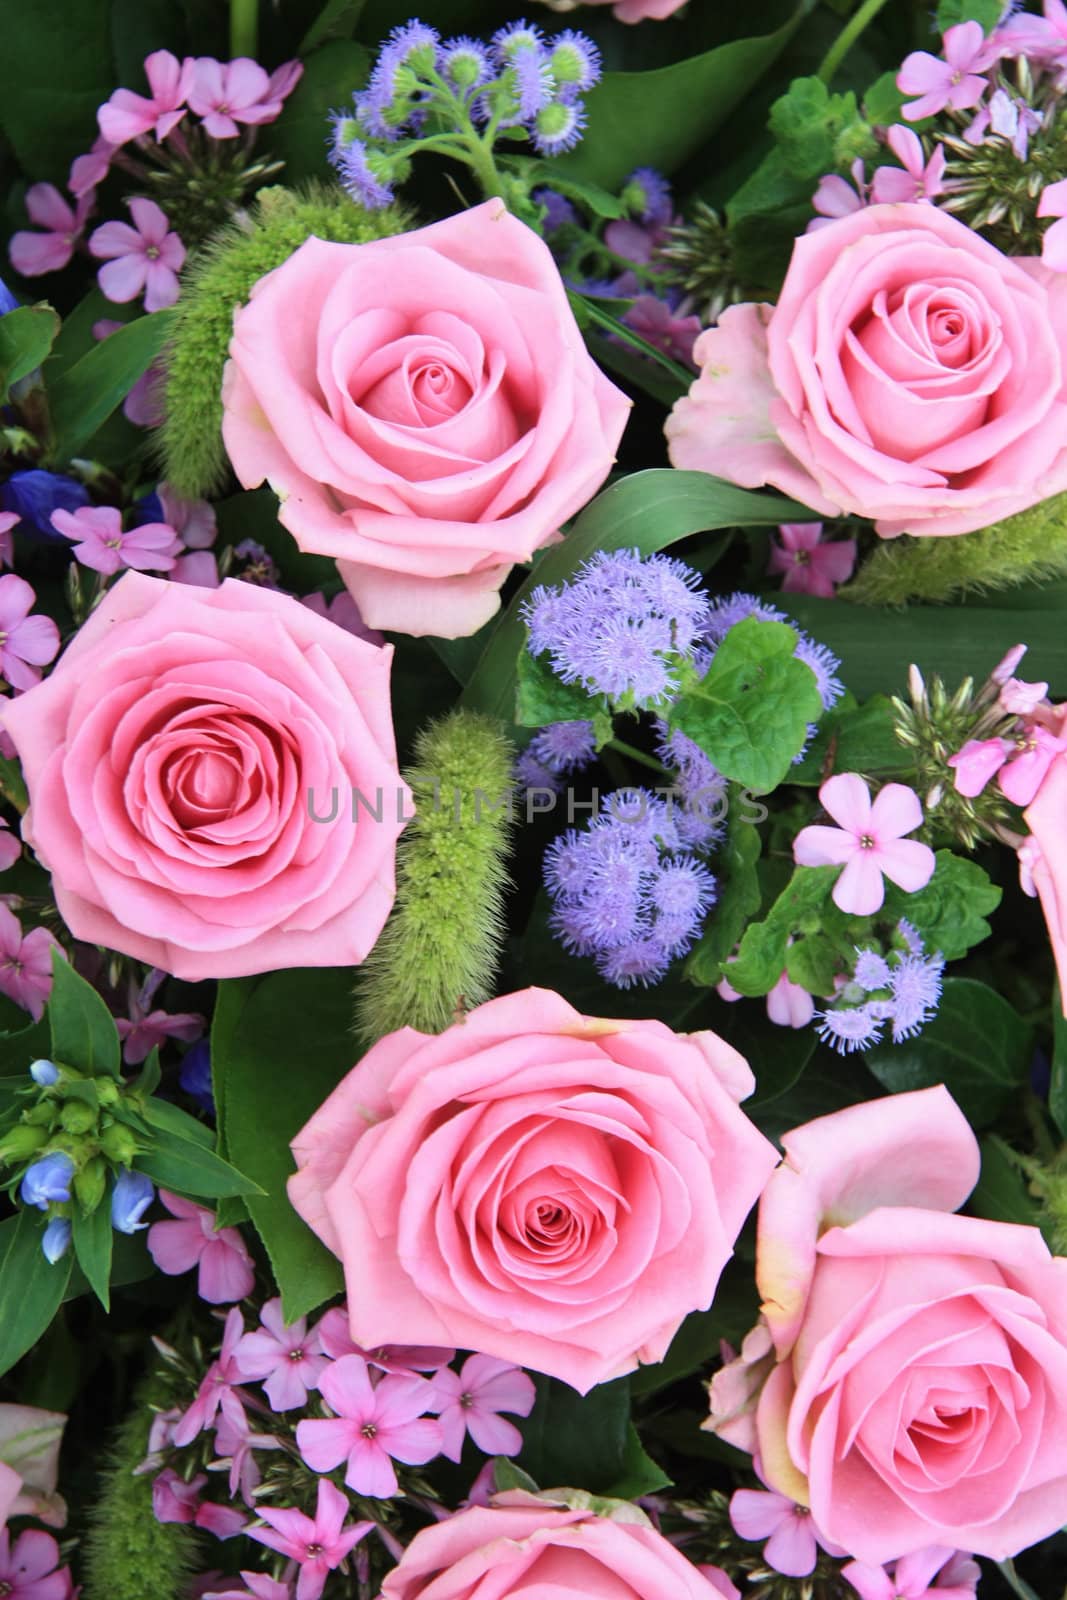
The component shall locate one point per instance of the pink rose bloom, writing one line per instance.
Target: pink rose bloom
(425, 409)
(171, 759)
(641, 10)
(921, 1384)
(1047, 860)
(603, 1168)
(514, 1549)
(909, 373)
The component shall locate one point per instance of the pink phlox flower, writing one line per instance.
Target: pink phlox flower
(225, 1266)
(26, 643)
(29, 1568)
(471, 1400)
(342, 610)
(789, 1005)
(146, 1028)
(174, 1500)
(1030, 858)
(1014, 120)
(672, 331)
(915, 178)
(482, 1488)
(227, 93)
(374, 1425)
(258, 1586)
(1040, 39)
(90, 169)
(811, 564)
(290, 1359)
(337, 1341)
(1021, 699)
(913, 1576)
(217, 1387)
(33, 254)
(1022, 776)
(198, 568)
(868, 842)
(836, 197)
(160, 1439)
(8, 521)
(129, 116)
(791, 1546)
(236, 1448)
(145, 258)
(1053, 203)
(954, 78)
(102, 545)
(977, 762)
(319, 1545)
(10, 846)
(192, 520)
(25, 963)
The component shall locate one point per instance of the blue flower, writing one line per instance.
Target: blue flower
(8, 301)
(47, 1180)
(915, 983)
(130, 1199)
(195, 1076)
(850, 1028)
(559, 126)
(55, 1241)
(44, 1073)
(872, 971)
(574, 59)
(35, 494)
(647, 192)
(565, 746)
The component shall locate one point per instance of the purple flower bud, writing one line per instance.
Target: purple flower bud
(55, 1241)
(44, 1073)
(47, 1180)
(130, 1199)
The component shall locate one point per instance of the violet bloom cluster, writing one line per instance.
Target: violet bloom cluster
(629, 889)
(897, 991)
(454, 96)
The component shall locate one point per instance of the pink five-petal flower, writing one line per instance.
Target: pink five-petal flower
(10, 846)
(290, 1359)
(8, 521)
(762, 1514)
(337, 1341)
(26, 643)
(1053, 203)
(374, 1426)
(915, 179)
(193, 520)
(28, 1568)
(216, 1391)
(35, 253)
(318, 1545)
(25, 964)
(1021, 699)
(810, 564)
(145, 258)
(225, 1266)
(470, 1401)
(102, 545)
(146, 1028)
(836, 197)
(913, 1576)
(90, 169)
(127, 115)
(1022, 776)
(954, 80)
(258, 1586)
(236, 1444)
(868, 841)
(977, 762)
(226, 93)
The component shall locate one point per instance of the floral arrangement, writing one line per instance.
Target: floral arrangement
(533, 801)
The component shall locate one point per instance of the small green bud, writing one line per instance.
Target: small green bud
(42, 1115)
(347, 130)
(77, 1117)
(108, 1091)
(464, 69)
(21, 1142)
(568, 64)
(119, 1144)
(90, 1183)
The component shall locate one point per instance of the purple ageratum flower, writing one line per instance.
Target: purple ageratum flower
(386, 91)
(824, 664)
(734, 608)
(915, 983)
(575, 60)
(559, 213)
(512, 40)
(849, 1028)
(559, 126)
(872, 971)
(565, 746)
(529, 773)
(464, 62)
(358, 177)
(647, 194)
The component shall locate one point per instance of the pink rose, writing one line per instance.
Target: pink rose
(920, 1393)
(425, 409)
(910, 373)
(557, 1190)
(173, 758)
(641, 10)
(533, 1548)
(1048, 860)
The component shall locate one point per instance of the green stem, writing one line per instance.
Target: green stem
(634, 754)
(244, 27)
(847, 37)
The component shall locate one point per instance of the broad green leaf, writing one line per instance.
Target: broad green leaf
(751, 710)
(541, 697)
(628, 126)
(576, 1441)
(950, 13)
(762, 956)
(169, 1118)
(1057, 1094)
(854, 738)
(977, 1045)
(331, 74)
(1001, 1193)
(646, 511)
(190, 1168)
(278, 1048)
(84, 1034)
(738, 896)
(31, 1288)
(130, 1263)
(86, 394)
(640, 1474)
(26, 336)
(336, 20)
(950, 913)
(12, 784)
(92, 1239)
(55, 70)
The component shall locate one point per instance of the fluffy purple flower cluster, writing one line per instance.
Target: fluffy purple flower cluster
(628, 888)
(451, 93)
(900, 989)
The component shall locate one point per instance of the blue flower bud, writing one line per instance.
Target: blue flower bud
(55, 1241)
(130, 1199)
(47, 1180)
(44, 1073)
(35, 494)
(7, 299)
(195, 1076)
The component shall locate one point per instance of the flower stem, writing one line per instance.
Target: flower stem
(244, 27)
(847, 37)
(634, 754)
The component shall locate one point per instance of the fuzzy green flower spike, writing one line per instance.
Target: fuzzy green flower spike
(220, 279)
(1022, 549)
(438, 953)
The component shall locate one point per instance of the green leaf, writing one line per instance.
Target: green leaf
(84, 1034)
(977, 1045)
(55, 70)
(26, 336)
(738, 897)
(1001, 1193)
(809, 124)
(169, 1118)
(640, 1474)
(84, 397)
(854, 738)
(601, 202)
(882, 102)
(627, 127)
(577, 1441)
(31, 1288)
(952, 12)
(814, 963)
(541, 697)
(278, 1048)
(762, 957)
(646, 511)
(130, 1263)
(336, 20)
(189, 1168)
(751, 710)
(298, 138)
(950, 913)
(92, 1238)
(1057, 1094)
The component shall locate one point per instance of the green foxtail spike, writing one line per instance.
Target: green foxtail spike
(437, 955)
(220, 279)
